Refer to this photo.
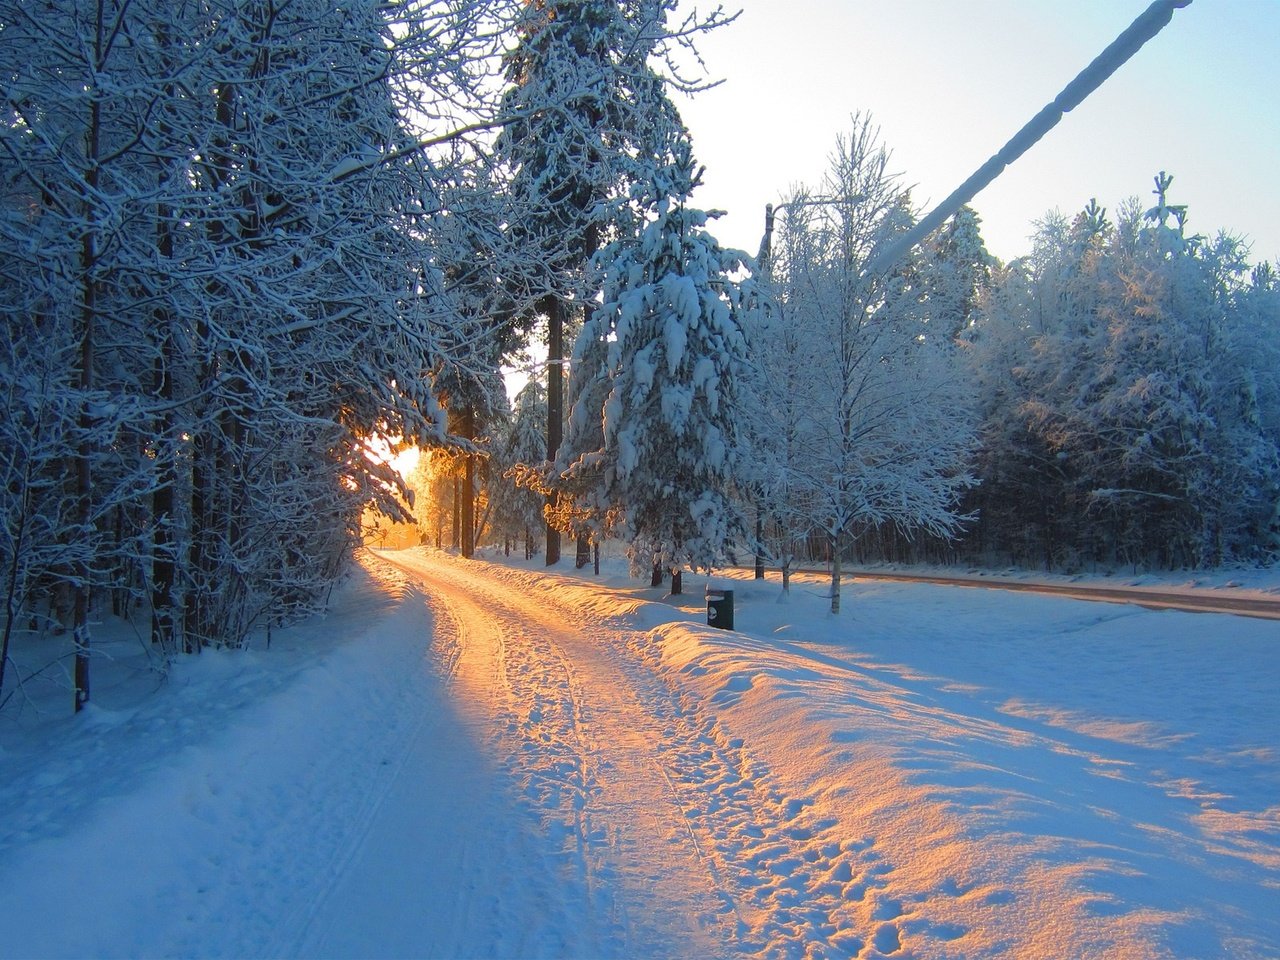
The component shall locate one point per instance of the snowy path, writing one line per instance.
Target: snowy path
(651, 831)
(573, 754)
(663, 839)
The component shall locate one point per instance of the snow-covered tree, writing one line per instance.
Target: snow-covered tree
(675, 357)
(886, 432)
(221, 220)
(955, 268)
(588, 118)
(517, 509)
(1127, 427)
(773, 424)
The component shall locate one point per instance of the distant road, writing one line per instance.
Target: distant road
(1192, 600)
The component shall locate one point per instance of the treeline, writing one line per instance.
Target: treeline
(222, 279)
(1129, 391)
(1110, 400)
(249, 249)
(1120, 387)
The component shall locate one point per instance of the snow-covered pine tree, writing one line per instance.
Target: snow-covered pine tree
(582, 506)
(955, 268)
(1017, 501)
(589, 118)
(675, 357)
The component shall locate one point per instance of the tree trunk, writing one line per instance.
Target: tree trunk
(88, 312)
(84, 493)
(193, 632)
(595, 550)
(457, 511)
(11, 608)
(552, 307)
(835, 573)
(163, 561)
(677, 581)
(121, 573)
(162, 565)
(468, 509)
(482, 524)
(583, 556)
(203, 554)
(759, 544)
(656, 580)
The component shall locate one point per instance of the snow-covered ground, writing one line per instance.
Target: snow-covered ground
(475, 759)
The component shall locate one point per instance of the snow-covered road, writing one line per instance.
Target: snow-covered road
(621, 819)
(564, 834)
(667, 789)
(474, 759)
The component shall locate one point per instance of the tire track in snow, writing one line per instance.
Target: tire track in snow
(580, 751)
(788, 881)
(480, 663)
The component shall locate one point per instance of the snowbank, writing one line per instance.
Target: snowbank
(205, 818)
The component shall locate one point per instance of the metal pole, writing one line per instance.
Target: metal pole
(1149, 23)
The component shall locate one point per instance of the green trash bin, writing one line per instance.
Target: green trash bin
(720, 607)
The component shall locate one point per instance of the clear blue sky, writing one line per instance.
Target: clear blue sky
(949, 81)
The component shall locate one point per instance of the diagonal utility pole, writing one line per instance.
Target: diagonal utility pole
(1149, 23)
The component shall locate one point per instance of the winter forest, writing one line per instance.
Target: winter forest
(252, 250)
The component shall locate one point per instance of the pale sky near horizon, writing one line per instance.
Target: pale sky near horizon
(949, 82)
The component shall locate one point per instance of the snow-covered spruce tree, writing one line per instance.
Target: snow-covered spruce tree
(1036, 339)
(583, 506)
(888, 431)
(675, 356)
(955, 269)
(589, 118)
(1012, 503)
(1256, 316)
